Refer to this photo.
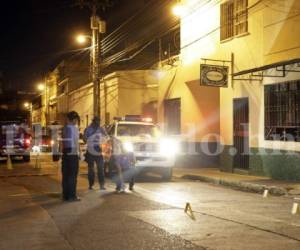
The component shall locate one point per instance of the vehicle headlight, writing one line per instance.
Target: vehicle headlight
(169, 147)
(128, 146)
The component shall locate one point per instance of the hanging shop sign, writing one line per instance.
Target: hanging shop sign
(213, 75)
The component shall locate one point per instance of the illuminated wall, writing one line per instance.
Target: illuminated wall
(273, 36)
(126, 93)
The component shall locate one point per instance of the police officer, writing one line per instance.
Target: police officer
(94, 135)
(70, 156)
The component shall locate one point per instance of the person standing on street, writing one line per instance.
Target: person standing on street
(94, 135)
(70, 156)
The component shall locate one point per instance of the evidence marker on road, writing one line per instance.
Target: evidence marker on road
(295, 208)
(265, 193)
(188, 210)
(9, 164)
(37, 161)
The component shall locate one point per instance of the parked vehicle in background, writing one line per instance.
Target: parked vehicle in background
(15, 140)
(153, 151)
(45, 143)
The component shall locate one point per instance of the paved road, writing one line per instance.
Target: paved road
(33, 217)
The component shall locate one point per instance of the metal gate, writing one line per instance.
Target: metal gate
(241, 133)
(172, 116)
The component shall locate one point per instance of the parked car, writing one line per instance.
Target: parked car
(45, 143)
(15, 140)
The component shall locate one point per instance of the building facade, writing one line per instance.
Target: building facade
(233, 93)
(121, 92)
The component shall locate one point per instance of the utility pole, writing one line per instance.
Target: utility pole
(95, 53)
(98, 27)
(46, 101)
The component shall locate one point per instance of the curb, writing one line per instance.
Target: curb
(242, 186)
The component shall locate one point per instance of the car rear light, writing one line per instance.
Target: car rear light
(27, 142)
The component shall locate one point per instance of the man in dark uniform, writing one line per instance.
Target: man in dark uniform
(70, 157)
(94, 135)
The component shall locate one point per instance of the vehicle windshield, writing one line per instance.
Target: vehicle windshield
(138, 130)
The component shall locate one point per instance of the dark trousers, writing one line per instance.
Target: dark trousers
(98, 159)
(70, 166)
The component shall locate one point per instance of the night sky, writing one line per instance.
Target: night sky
(35, 36)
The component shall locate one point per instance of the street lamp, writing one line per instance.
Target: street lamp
(26, 105)
(81, 39)
(179, 10)
(96, 26)
(41, 87)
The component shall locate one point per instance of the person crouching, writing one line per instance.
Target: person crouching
(122, 164)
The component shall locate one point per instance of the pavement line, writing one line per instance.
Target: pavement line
(25, 175)
(222, 218)
(32, 195)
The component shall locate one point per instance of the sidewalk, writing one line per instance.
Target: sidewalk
(247, 183)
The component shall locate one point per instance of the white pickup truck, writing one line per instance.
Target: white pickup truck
(153, 151)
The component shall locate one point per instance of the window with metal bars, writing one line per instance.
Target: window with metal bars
(282, 111)
(234, 18)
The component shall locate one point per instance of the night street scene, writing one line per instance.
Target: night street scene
(150, 124)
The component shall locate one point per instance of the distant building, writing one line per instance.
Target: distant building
(122, 93)
(69, 88)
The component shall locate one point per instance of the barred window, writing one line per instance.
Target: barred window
(240, 17)
(282, 111)
(234, 18)
(227, 12)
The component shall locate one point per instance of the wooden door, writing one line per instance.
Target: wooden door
(241, 133)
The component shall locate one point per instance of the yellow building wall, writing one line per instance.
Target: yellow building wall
(136, 89)
(199, 104)
(81, 101)
(273, 35)
(126, 92)
(281, 31)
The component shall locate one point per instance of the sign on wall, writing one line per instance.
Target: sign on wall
(213, 75)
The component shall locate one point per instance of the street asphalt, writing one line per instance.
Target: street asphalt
(32, 215)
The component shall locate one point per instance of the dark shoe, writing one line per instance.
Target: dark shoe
(102, 188)
(131, 188)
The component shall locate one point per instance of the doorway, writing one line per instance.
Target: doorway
(241, 133)
(172, 116)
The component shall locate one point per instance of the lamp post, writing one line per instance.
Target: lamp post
(94, 67)
(28, 106)
(42, 87)
(97, 27)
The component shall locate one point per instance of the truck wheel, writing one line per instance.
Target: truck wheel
(26, 158)
(167, 174)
